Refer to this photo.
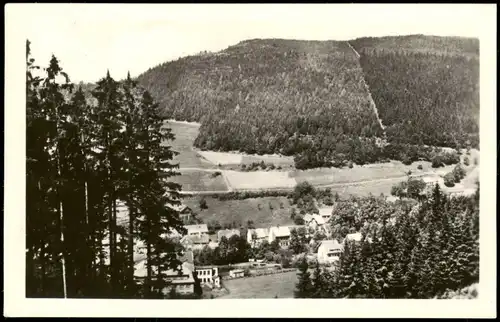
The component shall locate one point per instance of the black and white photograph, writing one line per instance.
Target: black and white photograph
(192, 157)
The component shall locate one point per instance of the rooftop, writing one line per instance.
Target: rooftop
(260, 232)
(355, 237)
(203, 239)
(330, 245)
(319, 219)
(280, 231)
(326, 211)
(202, 228)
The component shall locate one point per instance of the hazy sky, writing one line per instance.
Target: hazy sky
(88, 39)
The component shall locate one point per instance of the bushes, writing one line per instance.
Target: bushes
(412, 188)
(420, 167)
(203, 204)
(458, 173)
(216, 174)
(449, 180)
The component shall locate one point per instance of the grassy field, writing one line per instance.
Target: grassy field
(260, 179)
(357, 173)
(256, 209)
(341, 180)
(195, 180)
(262, 287)
(185, 134)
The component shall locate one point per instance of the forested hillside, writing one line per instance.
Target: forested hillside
(308, 98)
(271, 96)
(426, 88)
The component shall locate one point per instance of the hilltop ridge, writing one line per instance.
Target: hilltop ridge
(314, 100)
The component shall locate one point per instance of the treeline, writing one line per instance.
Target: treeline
(308, 99)
(424, 252)
(87, 153)
(428, 96)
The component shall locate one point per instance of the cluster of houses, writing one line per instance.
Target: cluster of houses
(198, 237)
(312, 222)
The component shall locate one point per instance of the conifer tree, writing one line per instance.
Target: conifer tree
(304, 286)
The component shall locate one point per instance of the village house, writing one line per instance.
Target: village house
(197, 230)
(326, 213)
(181, 279)
(255, 237)
(195, 242)
(329, 251)
(196, 238)
(227, 233)
(316, 222)
(185, 213)
(280, 233)
(208, 275)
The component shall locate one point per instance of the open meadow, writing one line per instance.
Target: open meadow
(198, 180)
(264, 212)
(360, 180)
(185, 134)
(261, 287)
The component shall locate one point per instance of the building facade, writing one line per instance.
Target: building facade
(208, 275)
(329, 251)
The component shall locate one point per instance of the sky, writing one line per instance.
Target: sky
(89, 39)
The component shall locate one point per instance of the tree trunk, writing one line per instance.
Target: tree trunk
(148, 268)
(63, 262)
(42, 265)
(111, 246)
(114, 268)
(130, 248)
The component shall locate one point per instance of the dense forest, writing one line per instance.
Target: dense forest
(423, 249)
(85, 153)
(309, 99)
(426, 97)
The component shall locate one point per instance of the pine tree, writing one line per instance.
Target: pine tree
(304, 286)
